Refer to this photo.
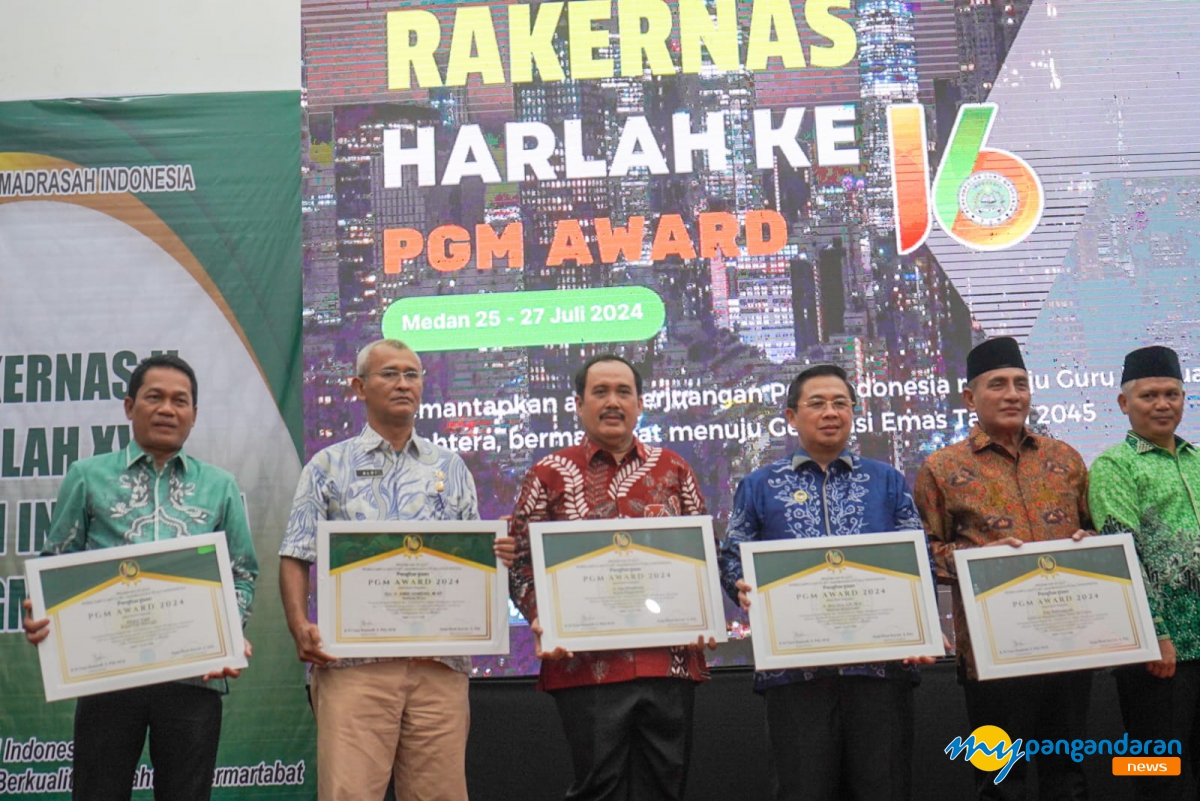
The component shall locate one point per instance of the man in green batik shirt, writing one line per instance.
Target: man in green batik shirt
(1147, 485)
(148, 491)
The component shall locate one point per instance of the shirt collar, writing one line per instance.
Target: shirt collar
(592, 449)
(370, 440)
(801, 457)
(980, 439)
(1142, 445)
(135, 454)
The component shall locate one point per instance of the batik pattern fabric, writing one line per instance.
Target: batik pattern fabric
(794, 498)
(584, 482)
(1142, 488)
(365, 478)
(975, 492)
(122, 498)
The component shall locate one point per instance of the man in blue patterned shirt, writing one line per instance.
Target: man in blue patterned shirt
(381, 717)
(841, 731)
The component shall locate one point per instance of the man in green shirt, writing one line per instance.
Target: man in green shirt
(148, 491)
(1147, 485)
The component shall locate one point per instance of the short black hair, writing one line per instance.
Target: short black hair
(168, 360)
(581, 376)
(797, 385)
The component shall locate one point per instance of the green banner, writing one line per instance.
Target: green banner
(524, 319)
(240, 221)
(132, 226)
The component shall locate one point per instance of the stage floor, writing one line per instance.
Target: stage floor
(517, 750)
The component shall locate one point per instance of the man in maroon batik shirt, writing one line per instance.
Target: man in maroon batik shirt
(627, 714)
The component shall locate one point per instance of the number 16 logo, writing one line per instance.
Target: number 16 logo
(984, 199)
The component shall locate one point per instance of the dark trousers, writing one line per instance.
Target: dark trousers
(1048, 707)
(629, 741)
(110, 730)
(1162, 709)
(841, 737)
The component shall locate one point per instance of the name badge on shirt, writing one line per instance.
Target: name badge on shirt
(369, 472)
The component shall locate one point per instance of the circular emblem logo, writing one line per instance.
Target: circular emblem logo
(988, 199)
(835, 558)
(1047, 563)
(413, 543)
(622, 541)
(128, 570)
(799, 496)
(995, 738)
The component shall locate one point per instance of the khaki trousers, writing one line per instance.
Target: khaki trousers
(407, 717)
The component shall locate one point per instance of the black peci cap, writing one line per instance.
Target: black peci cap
(994, 354)
(1155, 361)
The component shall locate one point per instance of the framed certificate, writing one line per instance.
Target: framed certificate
(626, 582)
(1058, 605)
(411, 588)
(841, 600)
(135, 615)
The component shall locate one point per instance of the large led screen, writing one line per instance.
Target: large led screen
(725, 191)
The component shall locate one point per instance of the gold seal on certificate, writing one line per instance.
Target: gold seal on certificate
(135, 615)
(841, 600)
(1056, 605)
(626, 582)
(411, 588)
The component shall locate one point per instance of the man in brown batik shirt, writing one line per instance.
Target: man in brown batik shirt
(1004, 485)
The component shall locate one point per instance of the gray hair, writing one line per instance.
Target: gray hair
(364, 354)
(1127, 387)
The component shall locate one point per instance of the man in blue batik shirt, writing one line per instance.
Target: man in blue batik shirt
(847, 730)
(381, 718)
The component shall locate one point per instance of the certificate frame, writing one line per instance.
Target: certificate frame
(987, 575)
(110, 581)
(895, 562)
(390, 549)
(621, 538)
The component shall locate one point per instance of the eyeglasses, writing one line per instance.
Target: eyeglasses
(393, 376)
(821, 404)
